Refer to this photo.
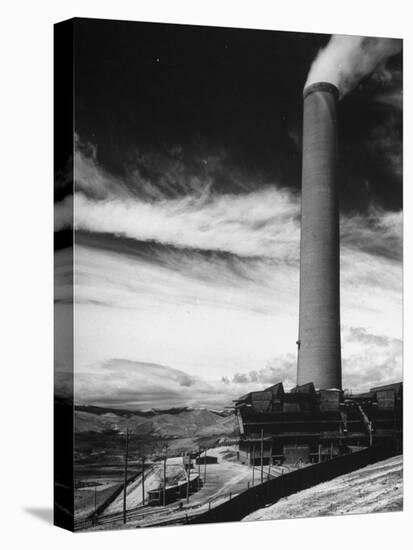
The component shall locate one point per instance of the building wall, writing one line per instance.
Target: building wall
(294, 453)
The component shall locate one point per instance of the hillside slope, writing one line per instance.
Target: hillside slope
(187, 423)
(375, 488)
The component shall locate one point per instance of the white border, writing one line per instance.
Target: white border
(26, 260)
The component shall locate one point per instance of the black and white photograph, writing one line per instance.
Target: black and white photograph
(228, 275)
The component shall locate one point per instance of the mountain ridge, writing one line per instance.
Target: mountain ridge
(168, 423)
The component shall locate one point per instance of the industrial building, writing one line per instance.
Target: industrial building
(307, 425)
(316, 420)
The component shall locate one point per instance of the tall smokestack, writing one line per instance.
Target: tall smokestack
(319, 353)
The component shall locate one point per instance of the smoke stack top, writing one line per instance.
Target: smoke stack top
(348, 59)
(321, 87)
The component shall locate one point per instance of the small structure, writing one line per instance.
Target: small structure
(173, 492)
(388, 397)
(187, 462)
(208, 459)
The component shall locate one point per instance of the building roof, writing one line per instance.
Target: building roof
(397, 387)
(304, 388)
(244, 398)
(276, 389)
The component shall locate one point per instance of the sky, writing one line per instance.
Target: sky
(187, 168)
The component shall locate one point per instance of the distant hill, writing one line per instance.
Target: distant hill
(171, 423)
(126, 412)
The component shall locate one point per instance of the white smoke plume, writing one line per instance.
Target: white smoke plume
(348, 59)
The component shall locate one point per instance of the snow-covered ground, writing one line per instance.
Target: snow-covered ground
(134, 492)
(225, 477)
(175, 473)
(375, 488)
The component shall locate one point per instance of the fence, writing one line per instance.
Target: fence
(271, 491)
(92, 517)
(237, 506)
(139, 513)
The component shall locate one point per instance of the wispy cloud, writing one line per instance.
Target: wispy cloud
(152, 175)
(143, 385)
(259, 223)
(208, 284)
(377, 233)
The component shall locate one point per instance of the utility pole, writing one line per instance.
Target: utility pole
(164, 479)
(188, 478)
(95, 501)
(199, 468)
(262, 456)
(269, 462)
(185, 464)
(253, 464)
(143, 481)
(125, 481)
(205, 465)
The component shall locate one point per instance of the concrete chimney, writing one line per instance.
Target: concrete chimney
(319, 345)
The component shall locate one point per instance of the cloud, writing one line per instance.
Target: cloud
(156, 175)
(378, 233)
(371, 360)
(261, 223)
(240, 378)
(361, 335)
(245, 218)
(280, 369)
(219, 313)
(139, 385)
(208, 284)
